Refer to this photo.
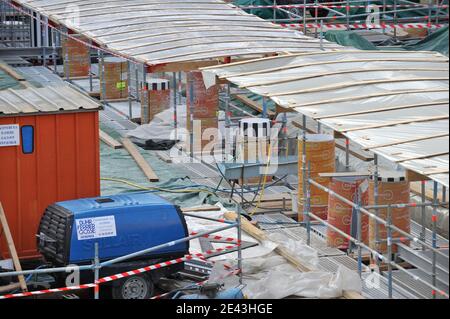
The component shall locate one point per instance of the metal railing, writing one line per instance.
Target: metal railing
(379, 14)
(97, 265)
(361, 210)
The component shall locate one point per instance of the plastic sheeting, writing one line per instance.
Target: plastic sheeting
(373, 97)
(438, 41)
(270, 276)
(176, 31)
(7, 82)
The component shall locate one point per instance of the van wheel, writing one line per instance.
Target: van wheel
(135, 287)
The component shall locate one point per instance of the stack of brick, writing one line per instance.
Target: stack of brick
(76, 56)
(156, 94)
(114, 79)
(203, 109)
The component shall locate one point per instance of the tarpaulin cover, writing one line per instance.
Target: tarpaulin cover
(7, 82)
(118, 164)
(438, 41)
(349, 39)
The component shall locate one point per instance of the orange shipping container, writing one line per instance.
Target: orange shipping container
(51, 157)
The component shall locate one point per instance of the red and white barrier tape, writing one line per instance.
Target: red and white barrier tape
(47, 291)
(365, 26)
(217, 237)
(121, 275)
(340, 6)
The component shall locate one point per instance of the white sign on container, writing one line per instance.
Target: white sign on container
(9, 135)
(96, 227)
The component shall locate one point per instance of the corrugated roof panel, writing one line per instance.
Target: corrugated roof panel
(44, 100)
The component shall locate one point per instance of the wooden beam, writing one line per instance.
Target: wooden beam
(387, 124)
(379, 110)
(344, 174)
(254, 105)
(410, 140)
(11, 72)
(281, 109)
(140, 160)
(416, 177)
(12, 248)
(260, 235)
(108, 140)
(421, 157)
(9, 287)
(204, 208)
(181, 66)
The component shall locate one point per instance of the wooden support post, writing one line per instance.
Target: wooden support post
(260, 235)
(140, 160)
(108, 140)
(12, 248)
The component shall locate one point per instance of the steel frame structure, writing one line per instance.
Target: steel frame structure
(436, 12)
(372, 212)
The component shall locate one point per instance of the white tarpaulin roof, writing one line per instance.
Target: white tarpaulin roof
(395, 104)
(164, 31)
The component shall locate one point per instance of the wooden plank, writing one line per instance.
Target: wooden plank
(386, 124)
(379, 110)
(344, 174)
(164, 156)
(281, 109)
(410, 140)
(254, 105)
(140, 160)
(108, 140)
(12, 73)
(416, 177)
(260, 235)
(181, 66)
(9, 288)
(421, 157)
(12, 248)
(204, 208)
(345, 85)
